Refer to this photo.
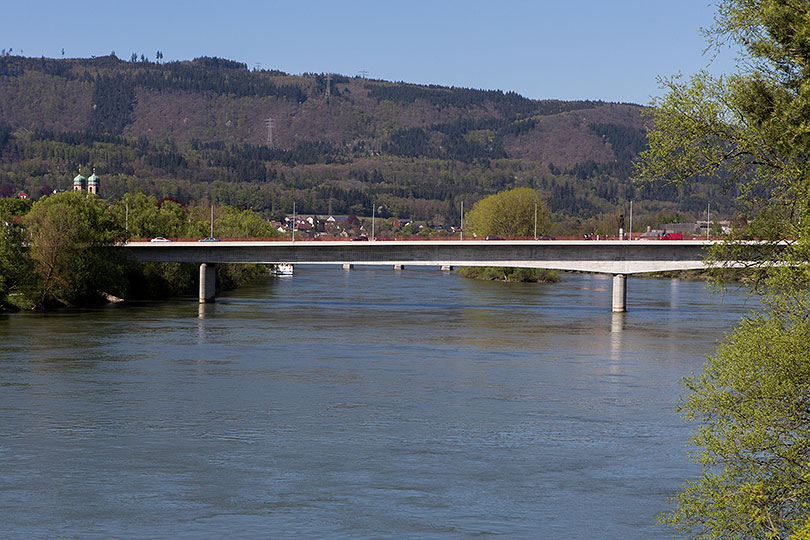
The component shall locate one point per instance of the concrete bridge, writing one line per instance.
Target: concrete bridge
(616, 257)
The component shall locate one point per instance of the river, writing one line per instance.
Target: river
(368, 403)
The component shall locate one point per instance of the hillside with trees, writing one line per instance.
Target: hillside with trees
(198, 130)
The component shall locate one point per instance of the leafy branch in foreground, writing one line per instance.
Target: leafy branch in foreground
(753, 399)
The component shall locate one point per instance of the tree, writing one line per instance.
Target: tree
(508, 213)
(141, 215)
(753, 399)
(751, 126)
(14, 207)
(67, 233)
(235, 223)
(15, 265)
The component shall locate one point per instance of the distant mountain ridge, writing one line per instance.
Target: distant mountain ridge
(210, 127)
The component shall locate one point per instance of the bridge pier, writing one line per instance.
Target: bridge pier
(619, 293)
(208, 282)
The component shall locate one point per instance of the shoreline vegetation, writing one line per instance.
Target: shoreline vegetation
(509, 274)
(740, 276)
(54, 252)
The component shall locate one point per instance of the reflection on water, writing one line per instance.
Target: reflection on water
(362, 403)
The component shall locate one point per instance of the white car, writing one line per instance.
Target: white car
(160, 239)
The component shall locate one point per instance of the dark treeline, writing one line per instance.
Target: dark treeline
(203, 74)
(507, 103)
(186, 77)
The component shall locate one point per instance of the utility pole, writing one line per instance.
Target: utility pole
(293, 226)
(363, 74)
(535, 221)
(373, 210)
(462, 221)
(269, 122)
(631, 221)
(708, 207)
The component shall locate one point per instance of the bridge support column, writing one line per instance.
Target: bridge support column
(208, 282)
(619, 293)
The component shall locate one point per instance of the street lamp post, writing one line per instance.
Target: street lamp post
(630, 235)
(462, 222)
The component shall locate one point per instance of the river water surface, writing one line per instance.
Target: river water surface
(368, 403)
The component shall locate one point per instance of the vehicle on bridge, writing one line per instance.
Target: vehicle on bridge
(672, 236)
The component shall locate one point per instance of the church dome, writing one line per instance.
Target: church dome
(93, 180)
(79, 180)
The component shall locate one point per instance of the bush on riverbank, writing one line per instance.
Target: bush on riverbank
(503, 273)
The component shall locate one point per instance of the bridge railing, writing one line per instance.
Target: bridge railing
(408, 238)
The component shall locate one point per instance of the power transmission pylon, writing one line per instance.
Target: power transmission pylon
(269, 122)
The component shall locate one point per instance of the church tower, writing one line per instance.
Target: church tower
(92, 183)
(79, 182)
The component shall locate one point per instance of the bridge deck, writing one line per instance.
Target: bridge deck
(610, 257)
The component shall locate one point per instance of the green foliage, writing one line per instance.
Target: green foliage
(753, 399)
(15, 265)
(243, 224)
(67, 233)
(14, 207)
(752, 402)
(509, 213)
(751, 126)
(502, 273)
(66, 262)
(147, 219)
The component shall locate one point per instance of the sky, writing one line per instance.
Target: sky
(543, 49)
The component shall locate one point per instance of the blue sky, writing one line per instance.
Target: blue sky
(574, 49)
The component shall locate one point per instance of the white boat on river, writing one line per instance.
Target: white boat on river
(283, 269)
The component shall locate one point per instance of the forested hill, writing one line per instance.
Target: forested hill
(199, 129)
